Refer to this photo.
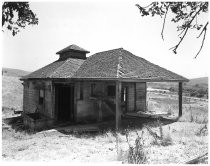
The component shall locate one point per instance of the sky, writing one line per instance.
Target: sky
(99, 26)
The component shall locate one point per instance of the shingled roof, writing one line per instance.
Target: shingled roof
(58, 69)
(119, 63)
(113, 64)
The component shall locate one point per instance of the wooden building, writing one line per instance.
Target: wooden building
(77, 88)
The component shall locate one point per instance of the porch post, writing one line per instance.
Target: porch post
(118, 104)
(180, 99)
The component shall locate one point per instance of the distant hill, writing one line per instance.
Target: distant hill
(202, 81)
(14, 72)
(196, 87)
(199, 82)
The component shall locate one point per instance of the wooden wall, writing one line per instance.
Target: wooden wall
(136, 96)
(141, 96)
(31, 98)
(87, 108)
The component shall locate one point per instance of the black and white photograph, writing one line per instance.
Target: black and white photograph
(105, 82)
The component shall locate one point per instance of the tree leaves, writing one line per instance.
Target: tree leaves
(17, 15)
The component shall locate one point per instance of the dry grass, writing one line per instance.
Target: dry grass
(12, 92)
(101, 147)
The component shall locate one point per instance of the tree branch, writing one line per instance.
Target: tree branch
(164, 21)
(204, 36)
(203, 29)
(148, 5)
(186, 29)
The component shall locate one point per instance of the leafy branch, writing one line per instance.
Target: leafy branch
(16, 15)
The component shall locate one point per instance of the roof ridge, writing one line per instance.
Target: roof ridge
(58, 68)
(109, 50)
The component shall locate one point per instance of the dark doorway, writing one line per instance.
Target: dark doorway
(64, 102)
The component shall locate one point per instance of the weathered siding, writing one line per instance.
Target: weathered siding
(88, 108)
(140, 96)
(31, 98)
(131, 94)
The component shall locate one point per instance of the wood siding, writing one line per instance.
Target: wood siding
(31, 98)
(141, 96)
(87, 108)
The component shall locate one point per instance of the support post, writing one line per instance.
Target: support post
(135, 97)
(180, 99)
(118, 104)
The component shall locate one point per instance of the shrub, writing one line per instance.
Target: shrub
(166, 140)
(135, 154)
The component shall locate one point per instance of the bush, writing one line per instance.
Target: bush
(135, 154)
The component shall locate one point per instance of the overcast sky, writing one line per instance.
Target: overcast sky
(100, 26)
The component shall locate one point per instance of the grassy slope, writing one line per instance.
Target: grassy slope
(12, 92)
(12, 89)
(14, 72)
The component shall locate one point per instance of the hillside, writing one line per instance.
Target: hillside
(13, 72)
(12, 89)
(202, 81)
(196, 87)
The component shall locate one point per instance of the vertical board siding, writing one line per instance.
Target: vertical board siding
(140, 97)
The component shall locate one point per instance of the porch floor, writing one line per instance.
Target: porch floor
(128, 122)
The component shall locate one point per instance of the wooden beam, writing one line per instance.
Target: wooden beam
(180, 99)
(118, 104)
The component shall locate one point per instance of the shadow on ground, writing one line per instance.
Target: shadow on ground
(89, 129)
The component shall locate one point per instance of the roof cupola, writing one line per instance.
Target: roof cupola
(72, 51)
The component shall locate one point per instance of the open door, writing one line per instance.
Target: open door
(64, 102)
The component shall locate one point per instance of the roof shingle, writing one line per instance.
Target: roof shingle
(112, 64)
(58, 69)
(119, 63)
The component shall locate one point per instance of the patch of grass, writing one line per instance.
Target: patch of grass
(195, 114)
